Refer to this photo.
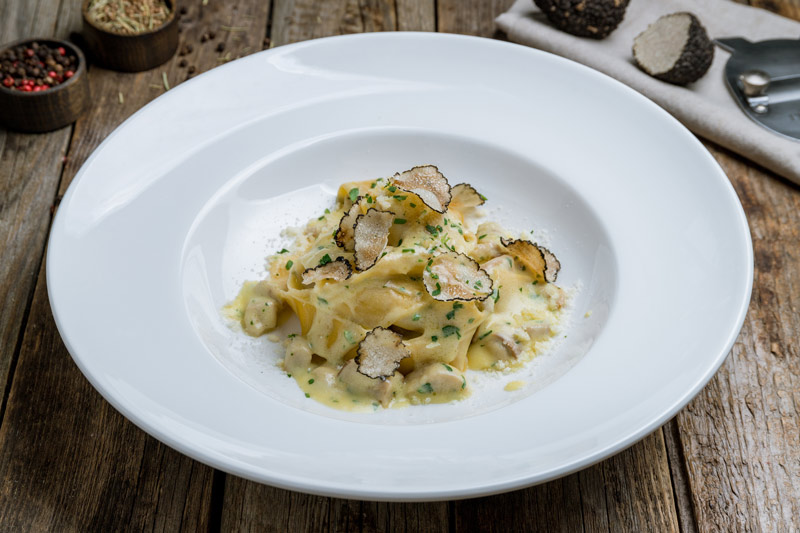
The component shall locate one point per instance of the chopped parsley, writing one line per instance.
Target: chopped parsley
(432, 230)
(415, 317)
(311, 381)
(399, 198)
(482, 236)
(485, 335)
(448, 367)
(438, 291)
(325, 260)
(392, 188)
(412, 204)
(322, 300)
(284, 251)
(349, 337)
(451, 330)
(353, 194)
(496, 294)
(289, 264)
(434, 338)
(408, 250)
(399, 221)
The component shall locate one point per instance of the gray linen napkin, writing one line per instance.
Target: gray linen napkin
(706, 106)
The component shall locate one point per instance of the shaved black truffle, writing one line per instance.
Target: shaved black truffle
(675, 48)
(380, 353)
(584, 18)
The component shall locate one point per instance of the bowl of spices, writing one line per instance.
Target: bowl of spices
(130, 35)
(43, 85)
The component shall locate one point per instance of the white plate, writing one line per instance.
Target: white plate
(184, 201)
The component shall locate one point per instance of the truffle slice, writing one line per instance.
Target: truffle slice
(465, 195)
(344, 235)
(380, 353)
(537, 259)
(675, 48)
(584, 18)
(427, 183)
(454, 276)
(337, 270)
(370, 235)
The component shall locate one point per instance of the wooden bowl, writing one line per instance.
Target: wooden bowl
(131, 53)
(53, 108)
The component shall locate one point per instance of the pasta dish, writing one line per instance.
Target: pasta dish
(400, 289)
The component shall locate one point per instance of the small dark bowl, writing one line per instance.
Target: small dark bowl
(53, 108)
(131, 53)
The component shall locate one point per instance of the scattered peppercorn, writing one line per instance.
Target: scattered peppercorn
(191, 69)
(221, 47)
(34, 66)
(204, 38)
(182, 63)
(182, 11)
(211, 35)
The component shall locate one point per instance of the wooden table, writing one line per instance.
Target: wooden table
(730, 461)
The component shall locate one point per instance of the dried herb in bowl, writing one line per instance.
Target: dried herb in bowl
(128, 17)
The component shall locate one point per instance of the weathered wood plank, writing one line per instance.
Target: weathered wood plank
(30, 169)
(787, 8)
(416, 15)
(629, 492)
(740, 435)
(76, 463)
(470, 17)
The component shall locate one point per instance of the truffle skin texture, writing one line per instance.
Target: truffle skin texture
(380, 353)
(694, 60)
(337, 270)
(584, 18)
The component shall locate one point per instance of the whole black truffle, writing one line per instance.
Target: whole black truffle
(584, 18)
(675, 48)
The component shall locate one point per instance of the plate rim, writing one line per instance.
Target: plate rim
(212, 457)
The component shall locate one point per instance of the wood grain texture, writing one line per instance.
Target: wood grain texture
(30, 169)
(628, 492)
(76, 463)
(740, 435)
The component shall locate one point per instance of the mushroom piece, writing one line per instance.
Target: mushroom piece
(380, 353)
(675, 48)
(538, 330)
(261, 313)
(503, 346)
(454, 276)
(361, 385)
(538, 259)
(439, 378)
(370, 235)
(336, 270)
(426, 182)
(298, 355)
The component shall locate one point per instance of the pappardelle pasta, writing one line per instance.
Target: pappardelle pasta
(400, 290)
